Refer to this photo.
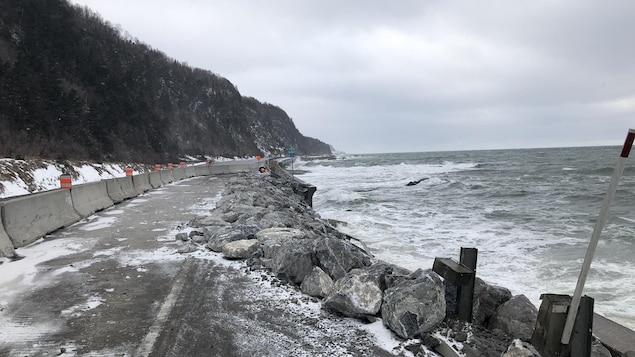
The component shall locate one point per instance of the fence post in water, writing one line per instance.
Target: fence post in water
(599, 225)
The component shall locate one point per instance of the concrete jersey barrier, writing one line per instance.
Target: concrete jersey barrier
(232, 168)
(115, 192)
(198, 170)
(155, 179)
(141, 183)
(203, 170)
(190, 171)
(25, 219)
(166, 176)
(179, 174)
(28, 218)
(127, 186)
(6, 246)
(89, 198)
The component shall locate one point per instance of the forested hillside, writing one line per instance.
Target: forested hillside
(73, 87)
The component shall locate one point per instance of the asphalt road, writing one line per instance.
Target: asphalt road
(114, 285)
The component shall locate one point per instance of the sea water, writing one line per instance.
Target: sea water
(530, 213)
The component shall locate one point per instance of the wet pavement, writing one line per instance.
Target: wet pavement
(114, 285)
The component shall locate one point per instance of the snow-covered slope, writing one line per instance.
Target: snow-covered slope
(20, 177)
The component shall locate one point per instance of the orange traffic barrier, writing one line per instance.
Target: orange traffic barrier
(66, 183)
(157, 167)
(128, 172)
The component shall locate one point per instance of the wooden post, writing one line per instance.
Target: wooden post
(463, 275)
(465, 293)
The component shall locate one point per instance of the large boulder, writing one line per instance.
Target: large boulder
(357, 294)
(240, 249)
(487, 299)
(273, 238)
(386, 274)
(293, 261)
(414, 305)
(204, 221)
(317, 283)
(516, 317)
(519, 348)
(279, 219)
(337, 257)
(230, 234)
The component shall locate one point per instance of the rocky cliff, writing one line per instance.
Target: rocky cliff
(73, 87)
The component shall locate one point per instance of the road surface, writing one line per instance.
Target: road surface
(114, 285)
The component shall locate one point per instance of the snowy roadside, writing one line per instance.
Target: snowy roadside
(19, 177)
(23, 177)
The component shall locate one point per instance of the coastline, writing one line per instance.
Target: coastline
(254, 200)
(288, 225)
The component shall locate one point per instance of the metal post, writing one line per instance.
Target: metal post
(599, 225)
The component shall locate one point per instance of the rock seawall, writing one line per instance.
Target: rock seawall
(265, 219)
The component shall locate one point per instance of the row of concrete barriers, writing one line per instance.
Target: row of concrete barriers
(25, 219)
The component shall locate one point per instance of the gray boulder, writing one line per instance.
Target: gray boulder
(188, 248)
(337, 257)
(317, 283)
(487, 299)
(230, 217)
(240, 249)
(293, 261)
(230, 234)
(182, 237)
(386, 275)
(279, 219)
(516, 317)
(211, 221)
(357, 294)
(519, 348)
(598, 350)
(414, 305)
(273, 238)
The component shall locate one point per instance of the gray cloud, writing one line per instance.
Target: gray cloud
(371, 76)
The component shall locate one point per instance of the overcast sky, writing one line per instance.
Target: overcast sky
(370, 76)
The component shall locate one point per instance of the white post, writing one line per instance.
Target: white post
(577, 295)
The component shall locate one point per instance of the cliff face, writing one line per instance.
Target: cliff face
(72, 87)
(274, 131)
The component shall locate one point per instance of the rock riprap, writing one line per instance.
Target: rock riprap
(267, 221)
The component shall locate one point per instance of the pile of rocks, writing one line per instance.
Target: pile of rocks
(265, 220)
